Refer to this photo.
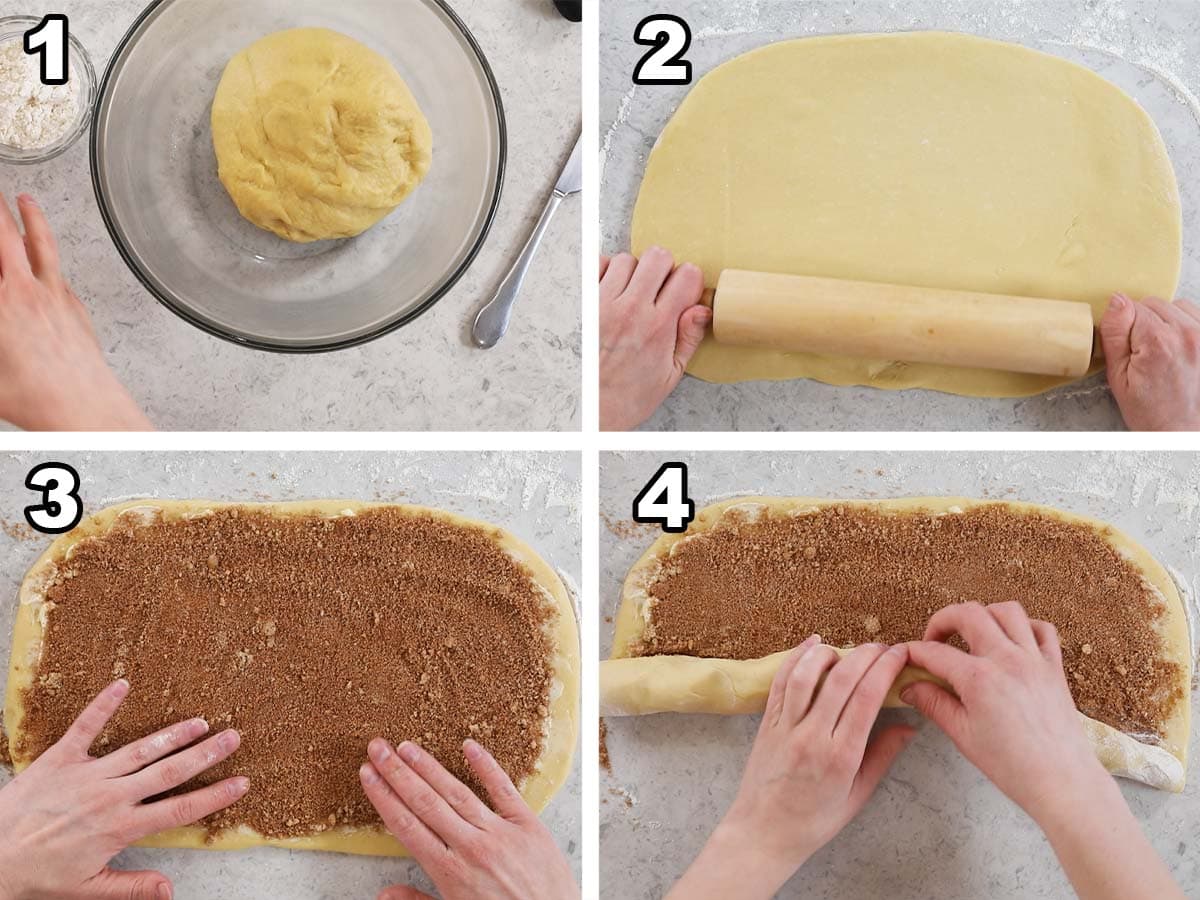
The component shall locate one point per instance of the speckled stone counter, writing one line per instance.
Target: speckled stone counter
(936, 829)
(1150, 48)
(535, 495)
(427, 375)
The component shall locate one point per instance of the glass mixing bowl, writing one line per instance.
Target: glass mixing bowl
(155, 175)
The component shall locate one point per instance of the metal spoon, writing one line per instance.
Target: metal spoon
(492, 321)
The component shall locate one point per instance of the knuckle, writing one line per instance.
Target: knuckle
(184, 811)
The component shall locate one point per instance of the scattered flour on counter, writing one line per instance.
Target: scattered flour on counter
(32, 115)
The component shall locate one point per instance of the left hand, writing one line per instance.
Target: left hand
(468, 850)
(812, 768)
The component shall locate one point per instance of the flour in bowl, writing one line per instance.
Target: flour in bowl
(32, 115)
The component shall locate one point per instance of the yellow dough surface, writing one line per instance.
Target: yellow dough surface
(925, 159)
(641, 685)
(317, 136)
(562, 718)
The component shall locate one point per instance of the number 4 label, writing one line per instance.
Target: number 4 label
(49, 41)
(664, 500)
(60, 509)
(670, 37)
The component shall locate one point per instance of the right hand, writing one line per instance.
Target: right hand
(1152, 351)
(1013, 716)
(68, 814)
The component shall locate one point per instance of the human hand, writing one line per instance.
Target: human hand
(1013, 717)
(53, 376)
(651, 322)
(1152, 351)
(812, 768)
(68, 814)
(467, 849)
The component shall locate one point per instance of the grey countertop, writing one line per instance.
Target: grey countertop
(426, 376)
(935, 829)
(535, 495)
(1150, 48)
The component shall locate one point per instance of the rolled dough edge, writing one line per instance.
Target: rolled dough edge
(562, 721)
(644, 685)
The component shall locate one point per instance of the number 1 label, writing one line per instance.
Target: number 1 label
(49, 41)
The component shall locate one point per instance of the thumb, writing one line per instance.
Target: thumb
(1116, 329)
(403, 892)
(114, 885)
(936, 704)
(693, 325)
(881, 753)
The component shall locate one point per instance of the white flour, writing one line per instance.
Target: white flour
(32, 115)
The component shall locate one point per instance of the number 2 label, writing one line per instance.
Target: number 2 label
(664, 500)
(670, 37)
(60, 509)
(49, 41)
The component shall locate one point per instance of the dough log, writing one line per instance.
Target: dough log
(635, 686)
(866, 320)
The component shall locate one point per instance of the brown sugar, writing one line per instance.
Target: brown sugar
(310, 635)
(854, 575)
(605, 760)
(5, 757)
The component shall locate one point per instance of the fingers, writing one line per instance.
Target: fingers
(1165, 311)
(616, 276)
(863, 707)
(693, 326)
(40, 243)
(880, 753)
(424, 802)
(970, 620)
(1116, 327)
(505, 797)
(840, 684)
(774, 706)
(139, 754)
(187, 809)
(403, 892)
(683, 290)
(604, 261)
(13, 258)
(113, 885)
(938, 705)
(85, 729)
(1190, 309)
(399, 819)
(651, 274)
(180, 768)
(453, 791)
(802, 683)
(1015, 622)
(947, 663)
(1047, 641)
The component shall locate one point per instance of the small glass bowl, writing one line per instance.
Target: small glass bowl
(81, 71)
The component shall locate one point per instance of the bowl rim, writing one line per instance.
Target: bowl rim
(89, 93)
(274, 346)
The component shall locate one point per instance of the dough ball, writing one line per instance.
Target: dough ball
(317, 136)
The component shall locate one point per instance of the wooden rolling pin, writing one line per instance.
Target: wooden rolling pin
(911, 324)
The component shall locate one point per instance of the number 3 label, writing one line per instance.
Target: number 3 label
(60, 509)
(664, 500)
(670, 37)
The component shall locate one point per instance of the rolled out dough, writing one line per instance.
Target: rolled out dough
(642, 685)
(927, 159)
(562, 719)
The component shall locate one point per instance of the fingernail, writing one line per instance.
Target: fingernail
(815, 637)
(368, 774)
(689, 268)
(379, 750)
(898, 650)
(198, 725)
(408, 752)
(120, 687)
(471, 749)
(241, 785)
(1119, 301)
(229, 741)
(906, 695)
(706, 315)
(163, 891)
